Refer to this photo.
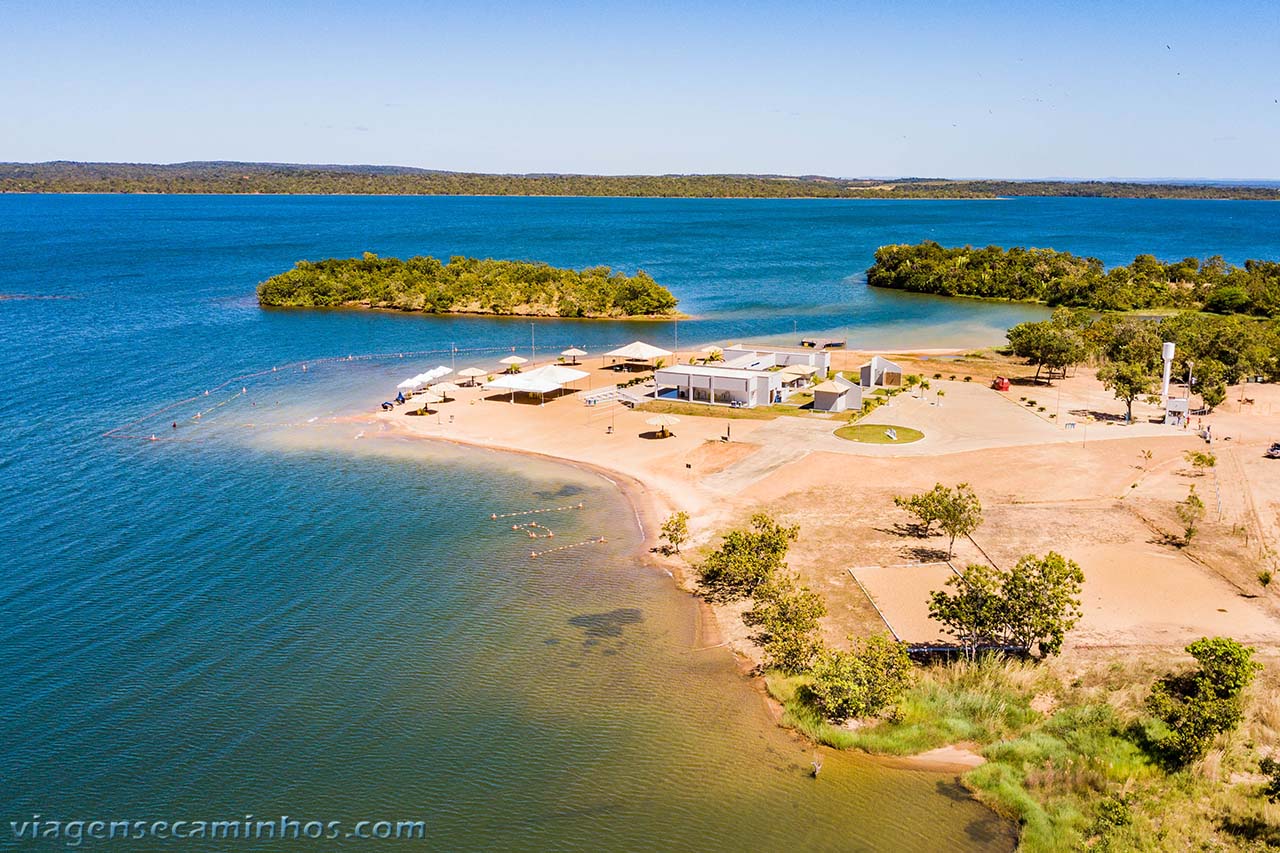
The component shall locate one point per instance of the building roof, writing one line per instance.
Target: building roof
(800, 369)
(830, 387)
(773, 348)
(707, 370)
(882, 362)
(539, 381)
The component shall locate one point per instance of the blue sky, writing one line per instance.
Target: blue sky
(952, 89)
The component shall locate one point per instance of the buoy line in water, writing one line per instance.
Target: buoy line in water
(532, 533)
(497, 515)
(533, 555)
(127, 429)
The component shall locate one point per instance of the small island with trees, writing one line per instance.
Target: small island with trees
(468, 286)
(1061, 278)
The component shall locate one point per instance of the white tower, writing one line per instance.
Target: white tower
(1166, 352)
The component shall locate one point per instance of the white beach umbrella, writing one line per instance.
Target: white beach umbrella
(574, 353)
(471, 374)
(512, 360)
(424, 400)
(444, 389)
(663, 422)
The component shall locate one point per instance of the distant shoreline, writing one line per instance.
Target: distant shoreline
(244, 178)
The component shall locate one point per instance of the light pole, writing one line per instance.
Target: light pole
(533, 345)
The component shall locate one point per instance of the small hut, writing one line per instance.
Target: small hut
(880, 371)
(837, 395)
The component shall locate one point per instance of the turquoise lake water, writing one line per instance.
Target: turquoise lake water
(262, 614)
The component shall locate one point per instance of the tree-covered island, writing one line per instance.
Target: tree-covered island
(1061, 278)
(467, 286)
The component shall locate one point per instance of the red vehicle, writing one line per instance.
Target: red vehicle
(1000, 383)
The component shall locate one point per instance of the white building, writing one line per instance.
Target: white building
(777, 356)
(879, 371)
(718, 385)
(837, 395)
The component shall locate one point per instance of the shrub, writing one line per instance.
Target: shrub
(1193, 708)
(787, 614)
(862, 681)
(746, 558)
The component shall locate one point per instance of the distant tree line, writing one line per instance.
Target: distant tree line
(467, 285)
(284, 178)
(1061, 278)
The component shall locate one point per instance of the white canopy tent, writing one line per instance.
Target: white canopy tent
(639, 351)
(543, 380)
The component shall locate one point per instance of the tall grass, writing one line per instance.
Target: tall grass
(1063, 757)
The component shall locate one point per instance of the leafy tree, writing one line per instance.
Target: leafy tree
(1041, 601)
(1193, 708)
(1190, 512)
(1055, 343)
(1128, 381)
(1033, 605)
(924, 506)
(957, 511)
(861, 682)
(746, 558)
(959, 514)
(974, 613)
(675, 530)
(787, 615)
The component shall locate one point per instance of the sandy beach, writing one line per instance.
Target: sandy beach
(1088, 491)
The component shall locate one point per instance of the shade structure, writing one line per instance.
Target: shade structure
(542, 380)
(574, 352)
(557, 373)
(421, 401)
(711, 349)
(444, 389)
(512, 359)
(830, 387)
(424, 378)
(471, 374)
(639, 350)
(663, 423)
(799, 370)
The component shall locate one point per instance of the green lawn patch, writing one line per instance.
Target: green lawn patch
(875, 433)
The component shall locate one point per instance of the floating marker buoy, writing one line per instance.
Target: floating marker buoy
(495, 515)
(550, 534)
